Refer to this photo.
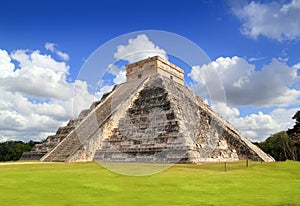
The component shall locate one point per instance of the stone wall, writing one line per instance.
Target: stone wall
(152, 66)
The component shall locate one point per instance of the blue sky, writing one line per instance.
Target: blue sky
(253, 45)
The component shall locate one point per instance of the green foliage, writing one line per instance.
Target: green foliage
(279, 146)
(294, 134)
(12, 150)
(284, 145)
(206, 184)
(295, 131)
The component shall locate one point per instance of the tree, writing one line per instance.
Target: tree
(286, 144)
(279, 146)
(295, 131)
(12, 150)
(294, 134)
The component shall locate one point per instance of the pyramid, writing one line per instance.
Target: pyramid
(152, 117)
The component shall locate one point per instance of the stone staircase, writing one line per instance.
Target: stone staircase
(99, 111)
(139, 139)
(63, 149)
(39, 150)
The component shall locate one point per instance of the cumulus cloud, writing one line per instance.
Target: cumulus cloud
(278, 120)
(271, 19)
(35, 98)
(6, 67)
(51, 47)
(297, 66)
(226, 112)
(139, 48)
(259, 126)
(118, 73)
(39, 76)
(247, 86)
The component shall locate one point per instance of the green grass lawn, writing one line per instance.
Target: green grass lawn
(207, 184)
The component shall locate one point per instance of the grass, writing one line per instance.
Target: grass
(207, 184)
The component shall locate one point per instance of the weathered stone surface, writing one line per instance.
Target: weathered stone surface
(39, 150)
(154, 65)
(148, 119)
(184, 130)
(80, 144)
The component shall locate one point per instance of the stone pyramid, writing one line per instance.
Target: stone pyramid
(152, 117)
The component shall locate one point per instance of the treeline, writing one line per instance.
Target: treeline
(284, 145)
(12, 150)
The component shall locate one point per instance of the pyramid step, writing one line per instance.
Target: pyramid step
(84, 113)
(95, 104)
(32, 155)
(65, 129)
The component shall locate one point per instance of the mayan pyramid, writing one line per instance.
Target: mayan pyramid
(152, 117)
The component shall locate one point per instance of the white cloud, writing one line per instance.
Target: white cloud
(62, 55)
(119, 73)
(3, 139)
(137, 49)
(273, 20)
(81, 97)
(254, 59)
(34, 58)
(297, 66)
(38, 76)
(246, 86)
(51, 47)
(226, 112)
(6, 67)
(257, 127)
(35, 98)
(20, 118)
(103, 89)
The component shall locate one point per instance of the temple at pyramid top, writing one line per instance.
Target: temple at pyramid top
(154, 65)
